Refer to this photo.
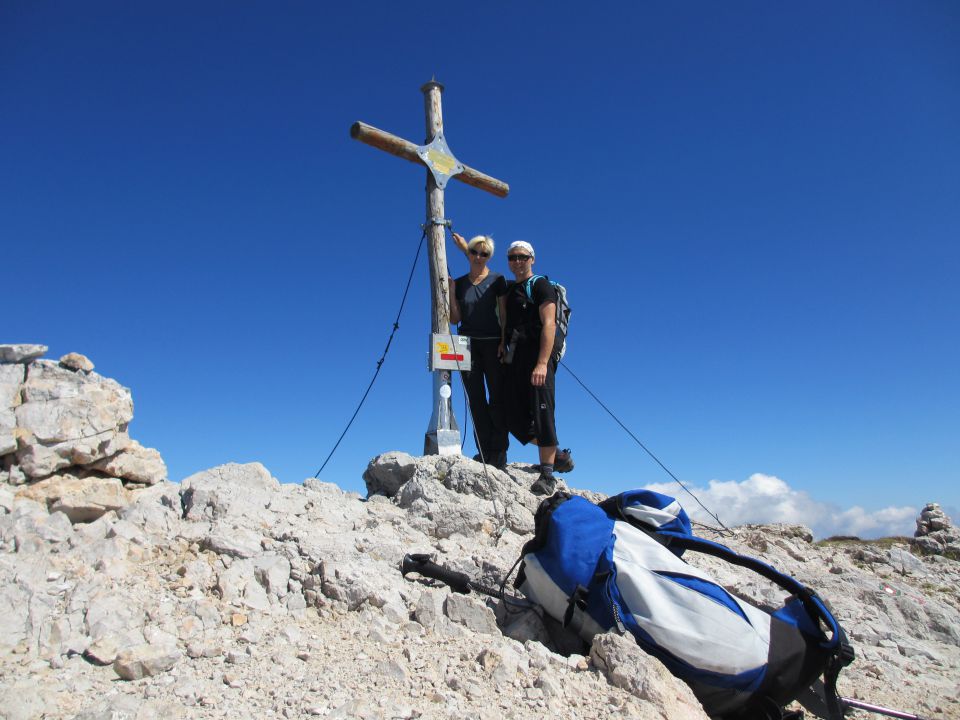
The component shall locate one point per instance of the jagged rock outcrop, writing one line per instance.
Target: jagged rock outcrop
(63, 434)
(232, 595)
(22, 353)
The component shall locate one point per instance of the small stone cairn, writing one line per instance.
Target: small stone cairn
(935, 533)
(63, 435)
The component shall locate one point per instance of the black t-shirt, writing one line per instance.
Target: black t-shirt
(478, 305)
(524, 312)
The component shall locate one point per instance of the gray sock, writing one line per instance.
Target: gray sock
(546, 469)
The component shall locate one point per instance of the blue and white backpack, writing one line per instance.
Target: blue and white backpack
(617, 566)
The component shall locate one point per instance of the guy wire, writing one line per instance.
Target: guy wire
(396, 326)
(647, 450)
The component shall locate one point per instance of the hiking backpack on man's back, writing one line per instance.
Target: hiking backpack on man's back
(563, 309)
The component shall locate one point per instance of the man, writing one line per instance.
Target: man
(529, 348)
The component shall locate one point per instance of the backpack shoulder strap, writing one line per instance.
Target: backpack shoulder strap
(676, 533)
(814, 606)
(528, 285)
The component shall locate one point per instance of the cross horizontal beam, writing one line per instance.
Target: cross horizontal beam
(408, 151)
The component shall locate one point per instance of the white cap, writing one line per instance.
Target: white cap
(521, 245)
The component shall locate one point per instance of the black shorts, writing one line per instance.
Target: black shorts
(530, 410)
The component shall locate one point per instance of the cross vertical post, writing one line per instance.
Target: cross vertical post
(443, 433)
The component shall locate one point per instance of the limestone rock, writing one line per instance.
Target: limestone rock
(80, 499)
(233, 541)
(291, 500)
(110, 613)
(29, 704)
(156, 509)
(14, 613)
(905, 562)
(471, 613)
(134, 463)
(429, 608)
(453, 495)
(11, 379)
(6, 499)
(273, 573)
(69, 419)
(14, 475)
(145, 660)
(232, 583)
(105, 649)
(269, 600)
(228, 491)
(130, 707)
(642, 675)
(354, 584)
(929, 545)
(22, 353)
(386, 473)
(76, 361)
(56, 528)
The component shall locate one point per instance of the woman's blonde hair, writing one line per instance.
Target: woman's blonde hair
(481, 240)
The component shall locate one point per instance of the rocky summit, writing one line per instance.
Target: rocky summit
(230, 595)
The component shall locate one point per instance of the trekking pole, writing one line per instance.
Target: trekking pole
(422, 564)
(848, 702)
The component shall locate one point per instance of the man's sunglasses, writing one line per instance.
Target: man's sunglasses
(518, 258)
(480, 254)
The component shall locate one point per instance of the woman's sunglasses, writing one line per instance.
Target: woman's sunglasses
(518, 258)
(481, 254)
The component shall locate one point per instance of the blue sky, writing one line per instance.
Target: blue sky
(755, 208)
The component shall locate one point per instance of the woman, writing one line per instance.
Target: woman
(476, 305)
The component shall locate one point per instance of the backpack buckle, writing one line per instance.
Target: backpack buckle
(578, 601)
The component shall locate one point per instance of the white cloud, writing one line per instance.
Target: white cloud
(768, 499)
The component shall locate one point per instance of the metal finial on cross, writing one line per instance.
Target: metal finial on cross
(443, 433)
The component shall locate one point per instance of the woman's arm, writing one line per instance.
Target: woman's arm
(461, 243)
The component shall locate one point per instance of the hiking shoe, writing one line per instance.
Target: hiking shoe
(544, 485)
(563, 461)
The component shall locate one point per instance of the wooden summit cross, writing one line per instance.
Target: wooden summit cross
(443, 434)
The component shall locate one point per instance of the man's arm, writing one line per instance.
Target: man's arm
(548, 317)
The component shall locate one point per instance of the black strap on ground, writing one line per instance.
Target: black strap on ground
(396, 326)
(646, 449)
